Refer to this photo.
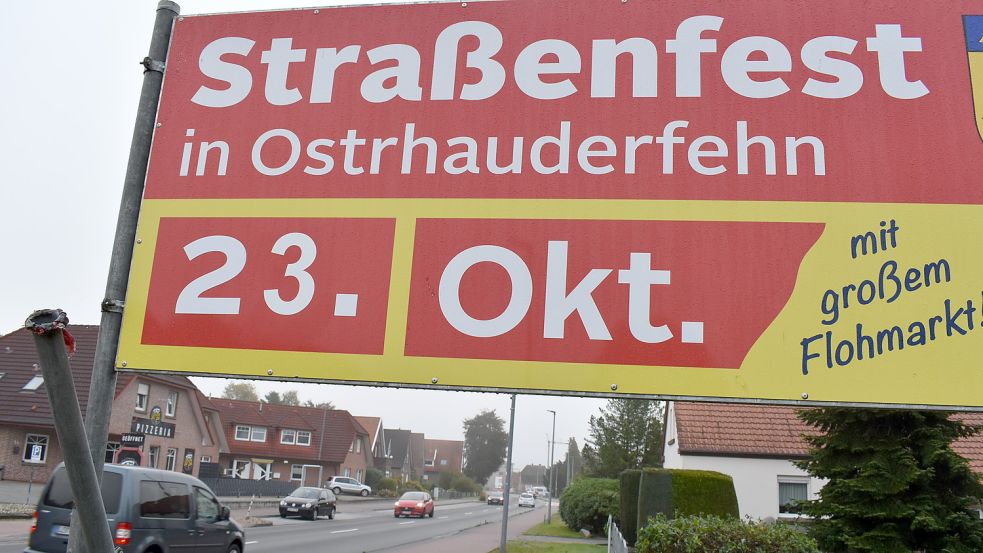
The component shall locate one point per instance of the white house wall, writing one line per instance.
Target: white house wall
(755, 479)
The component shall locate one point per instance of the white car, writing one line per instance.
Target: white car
(527, 500)
(343, 484)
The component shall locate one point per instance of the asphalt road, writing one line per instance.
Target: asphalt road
(357, 529)
(372, 530)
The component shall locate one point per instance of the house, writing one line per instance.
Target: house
(756, 445)
(398, 448)
(291, 442)
(377, 442)
(442, 456)
(417, 455)
(181, 428)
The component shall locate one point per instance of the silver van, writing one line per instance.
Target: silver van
(148, 510)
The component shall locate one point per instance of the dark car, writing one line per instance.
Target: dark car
(148, 510)
(496, 498)
(414, 504)
(310, 503)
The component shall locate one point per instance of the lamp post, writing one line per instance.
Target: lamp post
(549, 505)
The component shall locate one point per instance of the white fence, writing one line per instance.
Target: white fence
(616, 543)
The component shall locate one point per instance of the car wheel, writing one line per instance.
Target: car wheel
(365, 493)
(331, 513)
(396, 515)
(337, 491)
(283, 515)
(431, 514)
(234, 548)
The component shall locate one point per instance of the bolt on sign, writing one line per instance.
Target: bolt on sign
(687, 199)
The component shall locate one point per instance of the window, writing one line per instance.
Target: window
(143, 396)
(790, 491)
(240, 469)
(171, 459)
(111, 449)
(443, 462)
(358, 444)
(242, 433)
(208, 507)
(206, 458)
(258, 434)
(164, 499)
(34, 383)
(303, 437)
(296, 472)
(348, 472)
(35, 448)
(59, 493)
(288, 436)
(171, 404)
(154, 456)
(358, 475)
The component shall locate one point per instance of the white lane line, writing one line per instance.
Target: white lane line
(345, 531)
(252, 542)
(441, 518)
(466, 514)
(408, 522)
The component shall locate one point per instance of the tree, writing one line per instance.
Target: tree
(485, 441)
(245, 391)
(273, 397)
(287, 398)
(574, 459)
(895, 484)
(326, 405)
(626, 435)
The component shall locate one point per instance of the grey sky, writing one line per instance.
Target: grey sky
(71, 82)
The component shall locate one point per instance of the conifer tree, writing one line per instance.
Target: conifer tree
(895, 484)
(626, 435)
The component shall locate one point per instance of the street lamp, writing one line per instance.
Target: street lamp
(552, 486)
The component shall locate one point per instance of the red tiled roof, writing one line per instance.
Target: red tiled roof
(769, 431)
(332, 431)
(19, 364)
(740, 429)
(371, 426)
(451, 450)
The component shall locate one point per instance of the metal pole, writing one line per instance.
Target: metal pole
(102, 386)
(508, 481)
(552, 482)
(49, 340)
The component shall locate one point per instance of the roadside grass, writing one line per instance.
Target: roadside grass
(520, 546)
(556, 529)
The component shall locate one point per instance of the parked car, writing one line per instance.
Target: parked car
(527, 500)
(309, 502)
(496, 498)
(414, 503)
(147, 510)
(343, 484)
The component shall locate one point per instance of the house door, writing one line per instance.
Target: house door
(262, 471)
(312, 476)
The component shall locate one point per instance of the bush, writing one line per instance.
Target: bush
(587, 502)
(711, 534)
(628, 519)
(678, 492)
(463, 484)
(386, 484)
(372, 478)
(412, 486)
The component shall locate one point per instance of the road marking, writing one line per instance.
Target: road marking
(441, 518)
(466, 514)
(345, 531)
(252, 542)
(408, 522)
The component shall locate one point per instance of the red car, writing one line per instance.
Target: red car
(414, 504)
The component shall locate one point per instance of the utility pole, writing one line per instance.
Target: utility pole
(552, 483)
(508, 482)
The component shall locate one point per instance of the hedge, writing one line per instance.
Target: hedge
(587, 502)
(628, 519)
(678, 492)
(711, 534)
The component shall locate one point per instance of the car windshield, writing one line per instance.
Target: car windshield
(413, 496)
(306, 493)
(527, 495)
(496, 494)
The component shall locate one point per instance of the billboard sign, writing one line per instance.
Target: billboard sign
(700, 199)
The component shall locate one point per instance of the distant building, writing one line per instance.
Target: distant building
(291, 443)
(398, 448)
(182, 428)
(442, 456)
